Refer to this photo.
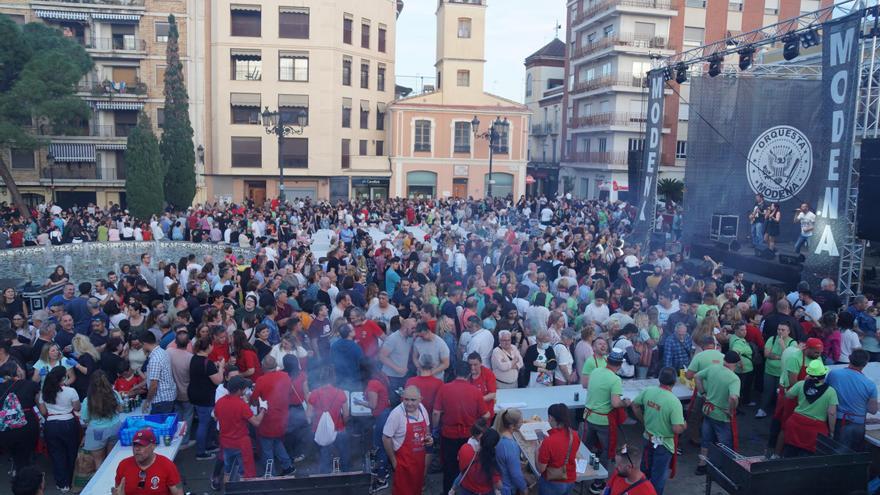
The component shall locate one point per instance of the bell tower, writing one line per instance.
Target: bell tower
(461, 47)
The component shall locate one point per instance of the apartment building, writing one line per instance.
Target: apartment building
(545, 85)
(611, 45)
(330, 61)
(126, 40)
(436, 151)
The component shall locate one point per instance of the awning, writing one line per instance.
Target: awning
(290, 54)
(62, 15)
(111, 147)
(72, 152)
(244, 99)
(365, 106)
(245, 8)
(381, 107)
(119, 18)
(346, 103)
(294, 10)
(293, 101)
(243, 54)
(119, 105)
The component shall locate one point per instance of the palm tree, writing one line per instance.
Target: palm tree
(671, 189)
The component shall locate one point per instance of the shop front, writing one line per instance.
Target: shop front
(370, 187)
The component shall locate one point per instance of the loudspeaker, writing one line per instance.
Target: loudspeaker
(787, 259)
(635, 172)
(867, 220)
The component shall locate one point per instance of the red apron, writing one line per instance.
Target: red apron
(615, 418)
(785, 406)
(409, 477)
(802, 432)
(708, 407)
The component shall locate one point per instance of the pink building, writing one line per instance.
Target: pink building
(434, 149)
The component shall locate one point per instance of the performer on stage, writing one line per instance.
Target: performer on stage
(807, 219)
(757, 218)
(406, 434)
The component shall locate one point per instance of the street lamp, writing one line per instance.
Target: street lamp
(493, 135)
(274, 124)
(50, 159)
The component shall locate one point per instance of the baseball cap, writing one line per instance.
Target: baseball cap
(616, 356)
(732, 357)
(814, 343)
(816, 368)
(144, 437)
(237, 383)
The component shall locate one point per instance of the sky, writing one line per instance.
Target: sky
(515, 29)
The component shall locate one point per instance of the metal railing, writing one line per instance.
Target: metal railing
(77, 171)
(621, 39)
(544, 129)
(609, 119)
(127, 3)
(618, 79)
(601, 157)
(609, 4)
(116, 43)
(109, 87)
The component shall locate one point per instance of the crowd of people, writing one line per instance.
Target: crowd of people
(399, 346)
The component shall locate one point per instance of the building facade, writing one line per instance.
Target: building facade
(126, 41)
(435, 151)
(545, 85)
(332, 60)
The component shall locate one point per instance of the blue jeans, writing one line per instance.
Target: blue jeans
(270, 448)
(655, 465)
(715, 431)
(205, 428)
(553, 487)
(232, 458)
(851, 434)
(381, 468)
(802, 241)
(341, 448)
(162, 407)
(184, 412)
(758, 235)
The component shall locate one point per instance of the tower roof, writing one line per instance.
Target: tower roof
(553, 50)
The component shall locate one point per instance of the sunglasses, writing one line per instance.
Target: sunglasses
(142, 479)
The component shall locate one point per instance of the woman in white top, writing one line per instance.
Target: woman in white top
(288, 345)
(170, 276)
(58, 404)
(506, 361)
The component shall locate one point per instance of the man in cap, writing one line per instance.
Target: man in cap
(795, 361)
(815, 414)
(233, 416)
(709, 356)
(605, 410)
(146, 471)
(720, 385)
(661, 412)
(857, 395)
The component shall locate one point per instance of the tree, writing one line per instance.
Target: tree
(671, 189)
(144, 189)
(39, 70)
(178, 154)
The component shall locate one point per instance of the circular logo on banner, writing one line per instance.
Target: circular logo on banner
(780, 163)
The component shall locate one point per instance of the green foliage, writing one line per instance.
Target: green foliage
(144, 187)
(177, 150)
(671, 189)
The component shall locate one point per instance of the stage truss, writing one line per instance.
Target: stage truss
(867, 124)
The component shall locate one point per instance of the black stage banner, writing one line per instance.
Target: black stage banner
(653, 132)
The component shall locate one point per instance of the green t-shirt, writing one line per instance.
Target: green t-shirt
(818, 410)
(741, 347)
(773, 367)
(793, 359)
(704, 359)
(593, 363)
(702, 309)
(604, 384)
(661, 410)
(720, 384)
(654, 332)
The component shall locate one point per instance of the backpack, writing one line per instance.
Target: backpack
(11, 414)
(325, 434)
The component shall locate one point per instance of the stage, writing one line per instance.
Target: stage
(783, 268)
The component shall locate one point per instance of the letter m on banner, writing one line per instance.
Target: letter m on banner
(647, 197)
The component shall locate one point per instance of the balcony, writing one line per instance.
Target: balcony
(112, 88)
(622, 40)
(624, 79)
(637, 6)
(545, 129)
(119, 130)
(598, 157)
(72, 171)
(609, 119)
(120, 3)
(116, 45)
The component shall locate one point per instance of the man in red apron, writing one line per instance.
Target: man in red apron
(405, 436)
(814, 415)
(605, 411)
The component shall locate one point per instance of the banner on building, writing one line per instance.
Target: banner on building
(647, 197)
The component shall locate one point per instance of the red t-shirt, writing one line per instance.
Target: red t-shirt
(160, 476)
(219, 351)
(298, 391)
(123, 384)
(273, 387)
(753, 335)
(554, 448)
(462, 404)
(486, 384)
(428, 386)
(619, 485)
(16, 239)
(247, 360)
(327, 399)
(232, 415)
(367, 336)
(475, 480)
(381, 391)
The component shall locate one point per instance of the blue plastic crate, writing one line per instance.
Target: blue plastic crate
(161, 424)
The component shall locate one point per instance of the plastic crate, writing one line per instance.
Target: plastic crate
(162, 425)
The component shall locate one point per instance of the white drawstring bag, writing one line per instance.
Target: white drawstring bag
(326, 433)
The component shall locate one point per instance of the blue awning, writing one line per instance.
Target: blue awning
(119, 105)
(73, 152)
(62, 15)
(117, 18)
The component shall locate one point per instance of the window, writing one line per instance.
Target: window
(380, 148)
(295, 152)
(160, 117)
(464, 78)
(293, 22)
(380, 78)
(346, 113)
(124, 122)
(583, 145)
(346, 71)
(636, 144)
(423, 135)
(421, 185)
(365, 34)
(553, 83)
(735, 6)
(591, 38)
(291, 106)
(245, 108)
(380, 116)
(462, 137)
(365, 74)
(382, 38)
(245, 20)
(128, 75)
(699, 4)
(693, 35)
(464, 27)
(645, 31)
(362, 147)
(603, 145)
(681, 149)
(684, 111)
(771, 7)
(293, 66)
(22, 159)
(503, 144)
(502, 185)
(247, 152)
(162, 32)
(247, 65)
(365, 114)
(347, 28)
(608, 31)
(346, 153)
(529, 85)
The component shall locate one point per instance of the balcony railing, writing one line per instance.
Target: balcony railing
(608, 119)
(109, 87)
(77, 171)
(545, 128)
(119, 130)
(618, 79)
(601, 157)
(621, 39)
(608, 4)
(116, 44)
(125, 3)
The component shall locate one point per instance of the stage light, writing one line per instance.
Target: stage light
(745, 57)
(681, 73)
(715, 65)
(791, 48)
(668, 73)
(810, 38)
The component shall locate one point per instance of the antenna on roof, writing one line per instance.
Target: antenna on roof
(558, 27)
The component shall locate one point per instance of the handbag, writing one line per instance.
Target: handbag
(560, 473)
(457, 482)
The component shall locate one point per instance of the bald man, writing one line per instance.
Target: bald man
(406, 434)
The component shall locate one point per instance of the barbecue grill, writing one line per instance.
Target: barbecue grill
(834, 470)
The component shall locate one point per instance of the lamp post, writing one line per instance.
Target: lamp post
(50, 159)
(274, 124)
(493, 135)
